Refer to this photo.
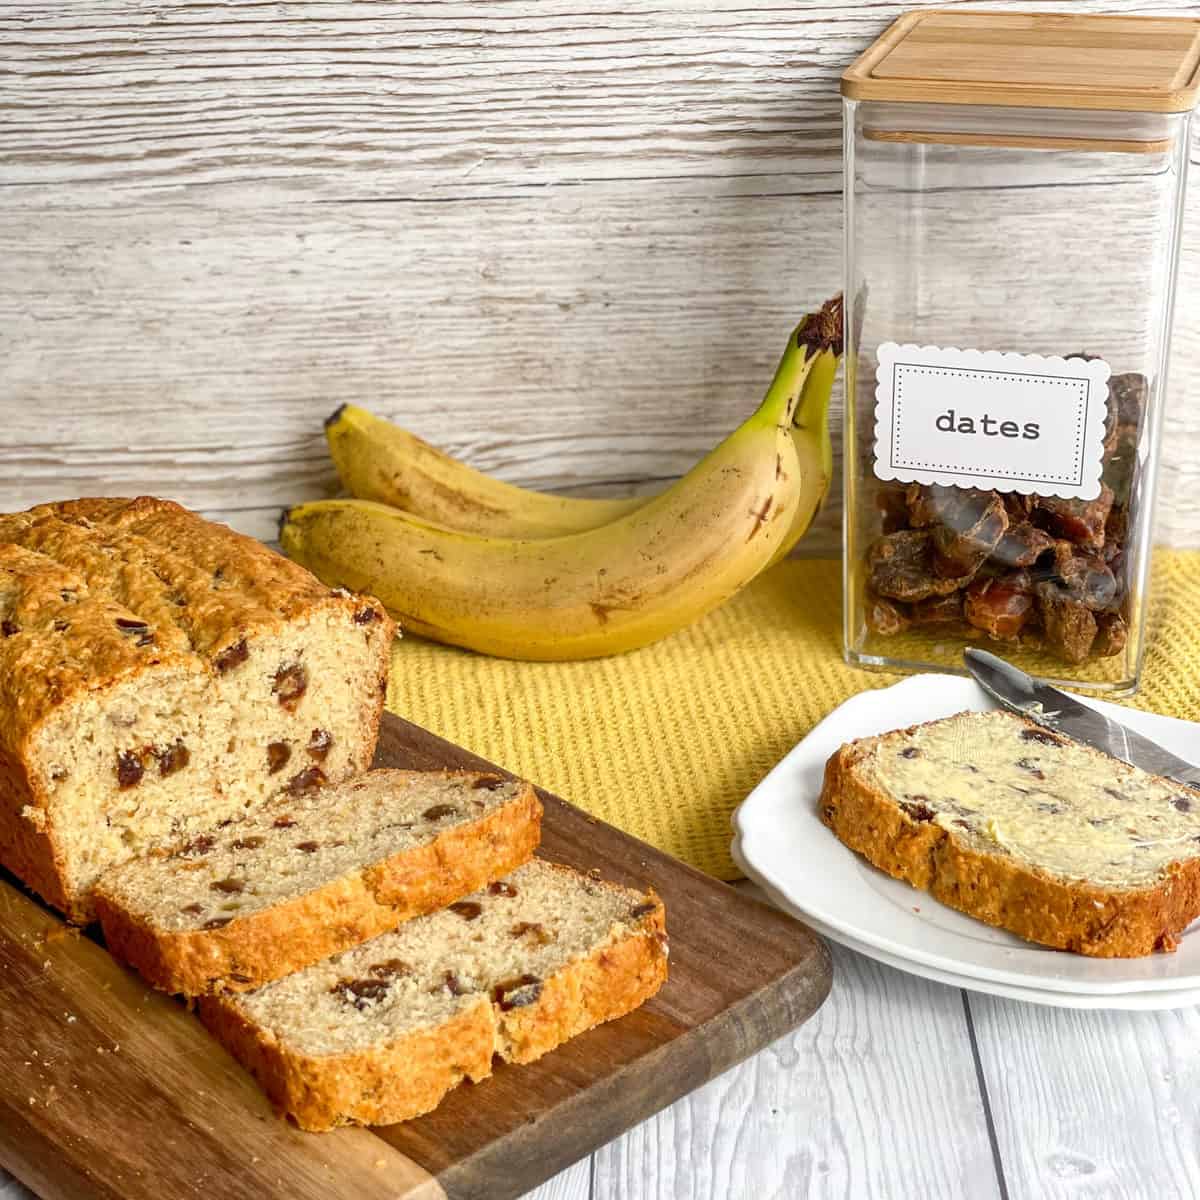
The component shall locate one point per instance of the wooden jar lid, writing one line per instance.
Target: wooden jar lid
(1036, 60)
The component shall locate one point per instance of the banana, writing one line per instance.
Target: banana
(599, 591)
(377, 460)
(810, 423)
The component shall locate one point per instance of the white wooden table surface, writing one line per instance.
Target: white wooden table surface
(550, 235)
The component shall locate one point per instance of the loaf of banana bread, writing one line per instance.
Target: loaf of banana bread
(160, 675)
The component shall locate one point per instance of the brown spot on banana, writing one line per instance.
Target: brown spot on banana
(400, 494)
(600, 611)
(760, 516)
(780, 473)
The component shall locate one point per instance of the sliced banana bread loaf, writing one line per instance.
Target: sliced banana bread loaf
(1025, 829)
(307, 876)
(160, 674)
(382, 1032)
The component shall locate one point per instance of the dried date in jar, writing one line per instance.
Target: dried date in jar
(1047, 572)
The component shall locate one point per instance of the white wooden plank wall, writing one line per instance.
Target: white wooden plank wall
(562, 239)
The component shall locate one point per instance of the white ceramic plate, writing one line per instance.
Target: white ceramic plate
(1125, 1001)
(781, 843)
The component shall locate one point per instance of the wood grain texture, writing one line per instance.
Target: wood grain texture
(899, 1113)
(575, 1183)
(110, 1090)
(1066, 60)
(492, 347)
(563, 240)
(113, 1091)
(1092, 1103)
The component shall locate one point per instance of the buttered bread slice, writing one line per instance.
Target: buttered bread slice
(1025, 829)
(381, 1033)
(313, 874)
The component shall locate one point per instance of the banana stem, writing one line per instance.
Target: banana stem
(820, 330)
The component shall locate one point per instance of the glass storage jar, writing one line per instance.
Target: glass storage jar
(1013, 189)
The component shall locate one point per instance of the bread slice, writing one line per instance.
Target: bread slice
(1024, 829)
(310, 875)
(382, 1032)
(158, 674)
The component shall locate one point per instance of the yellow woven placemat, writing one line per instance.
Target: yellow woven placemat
(665, 742)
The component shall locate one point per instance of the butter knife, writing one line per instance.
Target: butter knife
(1048, 706)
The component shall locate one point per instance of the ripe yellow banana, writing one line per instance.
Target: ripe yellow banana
(810, 423)
(602, 590)
(378, 460)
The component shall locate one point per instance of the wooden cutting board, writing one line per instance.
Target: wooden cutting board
(110, 1090)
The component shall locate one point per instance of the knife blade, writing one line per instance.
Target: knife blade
(1056, 710)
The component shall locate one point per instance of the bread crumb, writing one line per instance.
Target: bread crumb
(60, 933)
(35, 816)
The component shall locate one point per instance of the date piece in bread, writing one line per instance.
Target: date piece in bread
(160, 674)
(1025, 829)
(309, 876)
(381, 1033)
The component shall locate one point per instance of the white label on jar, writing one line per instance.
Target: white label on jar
(985, 419)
